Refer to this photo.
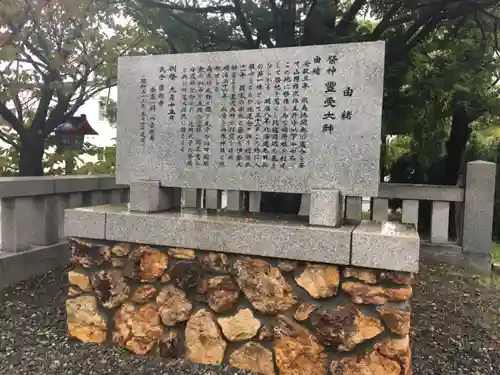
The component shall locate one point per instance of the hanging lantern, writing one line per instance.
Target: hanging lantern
(70, 135)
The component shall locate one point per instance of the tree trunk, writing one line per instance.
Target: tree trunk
(31, 156)
(455, 157)
(456, 146)
(69, 164)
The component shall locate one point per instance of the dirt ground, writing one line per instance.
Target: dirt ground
(456, 330)
(456, 322)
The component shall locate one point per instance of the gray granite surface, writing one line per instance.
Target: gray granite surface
(386, 245)
(149, 196)
(325, 208)
(478, 207)
(240, 235)
(89, 222)
(337, 115)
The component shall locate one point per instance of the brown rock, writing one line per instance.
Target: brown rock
(401, 278)
(364, 274)
(204, 342)
(110, 287)
(170, 346)
(398, 320)
(303, 311)
(137, 329)
(173, 305)
(239, 327)
(297, 351)
(85, 322)
(320, 281)
(253, 357)
(179, 253)
(344, 327)
(265, 334)
(87, 254)
(143, 294)
(397, 349)
(216, 262)
(165, 278)
(369, 364)
(74, 291)
(263, 285)
(121, 249)
(220, 292)
(80, 279)
(117, 263)
(185, 274)
(393, 348)
(288, 265)
(378, 295)
(146, 264)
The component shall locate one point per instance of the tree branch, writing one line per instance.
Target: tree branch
(278, 21)
(201, 34)
(385, 22)
(263, 35)
(12, 119)
(43, 105)
(7, 139)
(19, 107)
(238, 12)
(289, 14)
(349, 16)
(189, 9)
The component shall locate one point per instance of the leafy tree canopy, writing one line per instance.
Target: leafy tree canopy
(54, 56)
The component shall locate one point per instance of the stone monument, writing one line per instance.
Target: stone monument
(180, 271)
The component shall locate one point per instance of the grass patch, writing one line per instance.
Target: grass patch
(495, 254)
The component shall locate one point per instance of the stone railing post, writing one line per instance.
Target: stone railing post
(478, 208)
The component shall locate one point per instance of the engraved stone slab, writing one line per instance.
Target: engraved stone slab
(284, 120)
(386, 245)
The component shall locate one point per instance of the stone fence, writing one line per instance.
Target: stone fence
(473, 217)
(32, 211)
(32, 219)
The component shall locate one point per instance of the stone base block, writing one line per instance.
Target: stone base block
(386, 244)
(253, 234)
(15, 267)
(266, 315)
(149, 196)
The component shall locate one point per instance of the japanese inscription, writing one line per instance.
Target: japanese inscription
(263, 119)
(298, 114)
(264, 113)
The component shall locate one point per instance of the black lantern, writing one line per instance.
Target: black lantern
(71, 134)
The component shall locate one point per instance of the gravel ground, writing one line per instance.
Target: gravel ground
(33, 339)
(456, 331)
(456, 323)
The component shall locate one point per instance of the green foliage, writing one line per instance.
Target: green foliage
(105, 166)
(54, 56)
(63, 162)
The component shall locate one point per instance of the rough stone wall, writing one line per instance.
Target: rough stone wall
(269, 316)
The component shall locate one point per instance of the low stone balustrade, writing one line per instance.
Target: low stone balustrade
(32, 219)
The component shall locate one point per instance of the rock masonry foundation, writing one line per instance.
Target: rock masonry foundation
(265, 315)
